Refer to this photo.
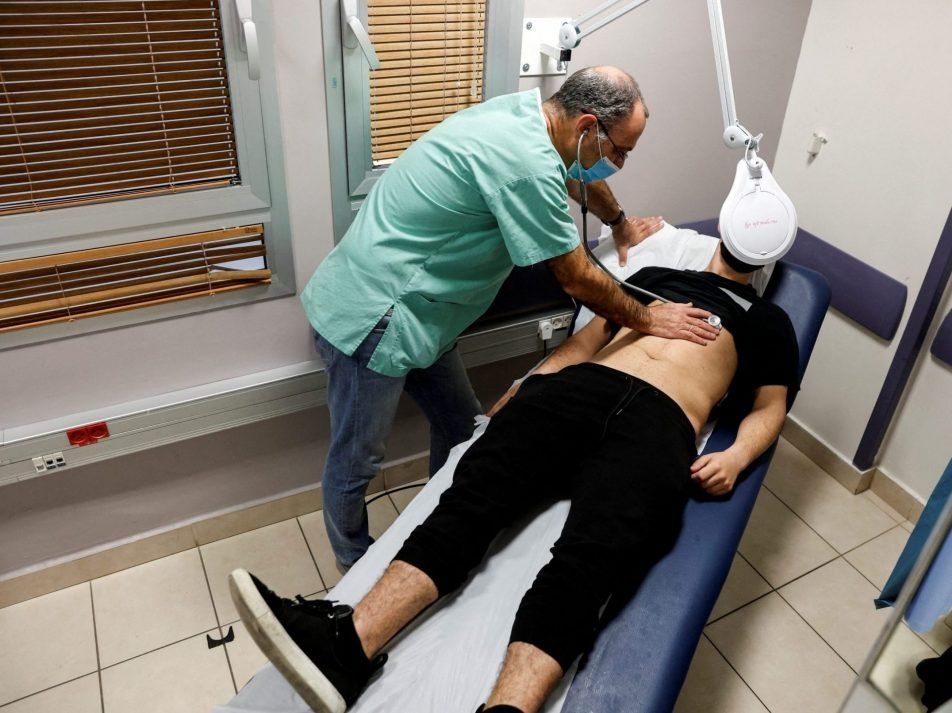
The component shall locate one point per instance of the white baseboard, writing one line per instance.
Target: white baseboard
(849, 476)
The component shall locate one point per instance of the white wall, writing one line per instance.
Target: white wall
(680, 168)
(875, 77)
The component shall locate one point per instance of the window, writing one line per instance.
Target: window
(436, 58)
(431, 66)
(122, 125)
(114, 101)
(88, 283)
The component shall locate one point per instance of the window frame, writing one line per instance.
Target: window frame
(348, 104)
(259, 198)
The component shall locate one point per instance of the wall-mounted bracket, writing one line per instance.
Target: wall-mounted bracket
(538, 57)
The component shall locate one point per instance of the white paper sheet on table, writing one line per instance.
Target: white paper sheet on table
(448, 659)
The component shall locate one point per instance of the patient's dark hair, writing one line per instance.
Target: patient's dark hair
(609, 95)
(734, 264)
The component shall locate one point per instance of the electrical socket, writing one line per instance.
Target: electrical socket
(51, 461)
(549, 325)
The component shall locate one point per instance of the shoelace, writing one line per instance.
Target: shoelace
(321, 606)
(330, 609)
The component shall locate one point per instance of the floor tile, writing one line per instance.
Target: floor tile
(778, 544)
(79, 696)
(46, 641)
(837, 601)
(381, 514)
(313, 526)
(883, 505)
(712, 686)
(894, 673)
(277, 554)
(876, 559)
(743, 585)
(908, 526)
(402, 498)
(940, 638)
(786, 664)
(244, 655)
(186, 677)
(841, 518)
(154, 604)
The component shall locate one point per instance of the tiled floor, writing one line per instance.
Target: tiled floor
(793, 624)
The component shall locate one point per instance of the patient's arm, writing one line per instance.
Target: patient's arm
(717, 472)
(578, 348)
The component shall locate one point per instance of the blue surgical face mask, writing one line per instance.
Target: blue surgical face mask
(599, 171)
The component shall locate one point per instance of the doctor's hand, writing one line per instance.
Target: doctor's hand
(676, 320)
(632, 231)
(716, 473)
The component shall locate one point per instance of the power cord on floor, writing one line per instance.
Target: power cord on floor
(395, 490)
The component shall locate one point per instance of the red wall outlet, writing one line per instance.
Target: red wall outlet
(88, 434)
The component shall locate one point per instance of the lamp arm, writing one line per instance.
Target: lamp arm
(735, 134)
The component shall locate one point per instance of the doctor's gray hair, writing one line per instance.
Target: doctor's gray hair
(609, 93)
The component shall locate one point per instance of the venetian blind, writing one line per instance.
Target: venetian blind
(431, 66)
(86, 283)
(111, 99)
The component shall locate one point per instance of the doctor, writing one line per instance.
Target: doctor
(436, 237)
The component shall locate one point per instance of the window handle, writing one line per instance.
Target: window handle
(248, 38)
(349, 8)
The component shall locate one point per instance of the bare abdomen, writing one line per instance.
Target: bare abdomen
(695, 376)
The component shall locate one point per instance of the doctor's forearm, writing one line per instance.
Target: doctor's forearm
(592, 287)
(604, 297)
(601, 200)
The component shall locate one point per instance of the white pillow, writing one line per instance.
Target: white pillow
(669, 247)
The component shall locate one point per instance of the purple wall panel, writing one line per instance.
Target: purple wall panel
(942, 344)
(862, 293)
(910, 344)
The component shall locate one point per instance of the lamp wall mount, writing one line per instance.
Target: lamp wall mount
(539, 57)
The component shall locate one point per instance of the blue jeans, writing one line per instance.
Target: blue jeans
(362, 404)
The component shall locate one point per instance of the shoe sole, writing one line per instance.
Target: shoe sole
(275, 643)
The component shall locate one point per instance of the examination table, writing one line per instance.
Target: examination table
(446, 661)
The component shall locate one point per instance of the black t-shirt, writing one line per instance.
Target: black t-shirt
(766, 344)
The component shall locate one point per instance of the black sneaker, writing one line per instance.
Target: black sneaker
(312, 643)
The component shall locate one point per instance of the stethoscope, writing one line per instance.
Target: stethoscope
(713, 320)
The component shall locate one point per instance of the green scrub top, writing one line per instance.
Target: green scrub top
(440, 232)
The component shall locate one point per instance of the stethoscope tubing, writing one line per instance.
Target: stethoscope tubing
(713, 320)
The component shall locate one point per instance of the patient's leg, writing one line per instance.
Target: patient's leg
(520, 460)
(394, 601)
(627, 499)
(528, 677)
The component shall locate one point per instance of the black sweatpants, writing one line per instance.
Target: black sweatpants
(619, 448)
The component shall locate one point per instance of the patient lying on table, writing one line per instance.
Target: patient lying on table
(637, 403)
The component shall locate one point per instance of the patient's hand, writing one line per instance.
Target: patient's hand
(632, 231)
(504, 399)
(716, 472)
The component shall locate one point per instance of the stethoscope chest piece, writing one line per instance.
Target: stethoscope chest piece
(714, 321)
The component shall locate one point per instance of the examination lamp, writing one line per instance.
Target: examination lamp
(758, 222)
